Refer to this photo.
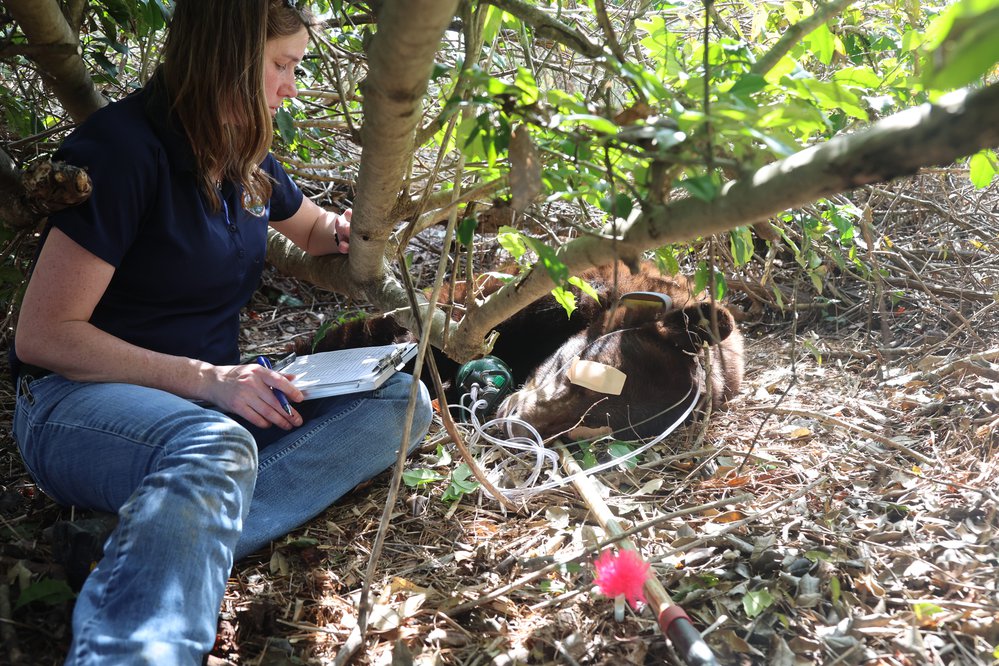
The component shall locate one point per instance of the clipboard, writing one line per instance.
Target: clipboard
(346, 371)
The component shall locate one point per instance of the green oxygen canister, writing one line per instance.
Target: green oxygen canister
(493, 377)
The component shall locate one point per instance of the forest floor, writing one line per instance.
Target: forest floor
(842, 510)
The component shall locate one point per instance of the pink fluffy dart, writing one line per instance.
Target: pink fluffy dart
(621, 576)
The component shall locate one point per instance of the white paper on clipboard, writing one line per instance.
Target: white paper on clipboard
(347, 370)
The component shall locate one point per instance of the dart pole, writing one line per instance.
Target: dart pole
(672, 619)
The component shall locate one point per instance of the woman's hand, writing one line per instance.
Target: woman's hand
(341, 230)
(246, 390)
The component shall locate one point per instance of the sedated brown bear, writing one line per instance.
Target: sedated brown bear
(629, 364)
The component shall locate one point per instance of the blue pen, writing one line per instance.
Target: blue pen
(266, 362)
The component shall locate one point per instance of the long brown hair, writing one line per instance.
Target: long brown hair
(213, 69)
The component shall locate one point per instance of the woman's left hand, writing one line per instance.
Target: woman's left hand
(341, 231)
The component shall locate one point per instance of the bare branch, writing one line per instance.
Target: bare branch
(603, 19)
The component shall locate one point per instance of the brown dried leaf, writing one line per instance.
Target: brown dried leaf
(632, 114)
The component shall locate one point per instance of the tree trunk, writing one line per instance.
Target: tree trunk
(401, 58)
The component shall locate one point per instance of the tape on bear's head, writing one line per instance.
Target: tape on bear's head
(596, 376)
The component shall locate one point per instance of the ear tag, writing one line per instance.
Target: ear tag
(595, 376)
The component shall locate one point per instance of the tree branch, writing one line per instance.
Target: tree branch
(962, 123)
(796, 32)
(43, 23)
(603, 19)
(44, 187)
(546, 26)
(438, 205)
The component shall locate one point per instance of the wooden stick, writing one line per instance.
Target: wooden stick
(672, 619)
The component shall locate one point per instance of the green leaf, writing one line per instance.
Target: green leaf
(757, 601)
(832, 97)
(557, 271)
(566, 299)
(119, 10)
(588, 459)
(321, 332)
(701, 276)
(48, 591)
(439, 71)
(741, 244)
(619, 205)
(705, 187)
(982, 168)
(527, 85)
(834, 589)
(584, 287)
(418, 477)
(823, 43)
(109, 67)
(779, 147)
(466, 230)
(857, 77)
(594, 122)
(746, 85)
(493, 23)
(467, 136)
(619, 450)
(968, 51)
(926, 610)
(460, 484)
(702, 280)
(286, 125)
(666, 259)
(512, 241)
(721, 286)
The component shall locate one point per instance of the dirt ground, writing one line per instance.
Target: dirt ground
(842, 510)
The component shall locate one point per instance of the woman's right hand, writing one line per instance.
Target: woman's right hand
(246, 390)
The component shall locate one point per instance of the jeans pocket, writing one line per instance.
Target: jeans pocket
(24, 424)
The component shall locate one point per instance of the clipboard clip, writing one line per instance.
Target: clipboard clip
(284, 362)
(393, 360)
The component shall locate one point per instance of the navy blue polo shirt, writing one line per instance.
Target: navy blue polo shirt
(182, 273)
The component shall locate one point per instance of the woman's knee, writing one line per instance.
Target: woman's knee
(399, 388)
(216, 440)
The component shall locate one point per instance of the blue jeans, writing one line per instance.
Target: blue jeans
(181, 478)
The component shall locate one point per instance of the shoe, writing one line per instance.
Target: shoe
(79, 545)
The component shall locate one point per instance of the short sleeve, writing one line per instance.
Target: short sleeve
(286, 197)
(122, 172)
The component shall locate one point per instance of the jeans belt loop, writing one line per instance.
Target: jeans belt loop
(24, 382)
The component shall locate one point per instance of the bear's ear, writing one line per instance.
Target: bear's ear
(689, 328)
